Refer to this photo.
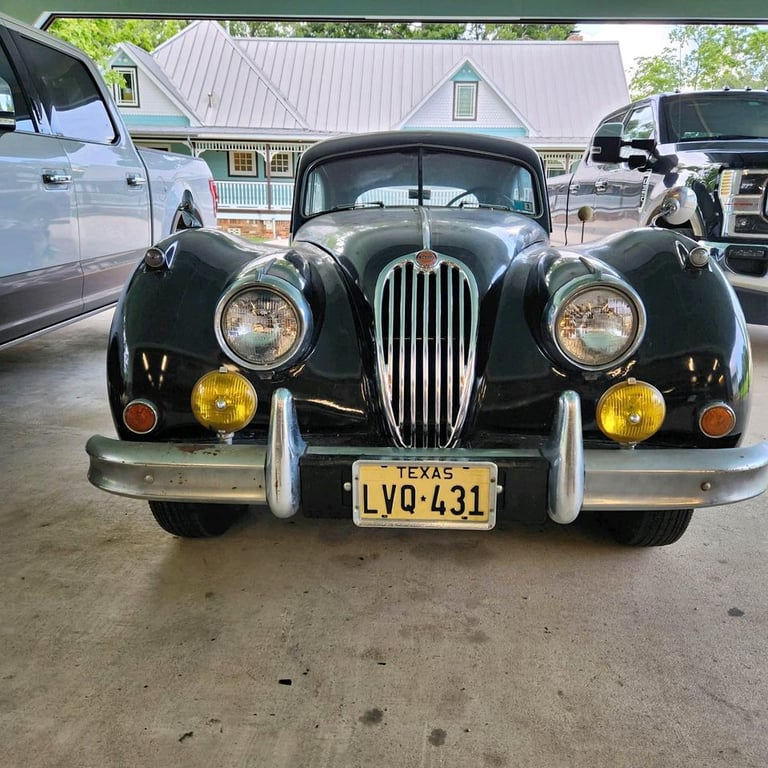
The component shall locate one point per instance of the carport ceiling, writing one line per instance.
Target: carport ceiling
(41, 12)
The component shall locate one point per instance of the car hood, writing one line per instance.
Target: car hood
(486, 241)
(732, 154)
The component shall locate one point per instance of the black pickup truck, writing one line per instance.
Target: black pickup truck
(713, 143)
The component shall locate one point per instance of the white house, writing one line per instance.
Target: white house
(250, 106)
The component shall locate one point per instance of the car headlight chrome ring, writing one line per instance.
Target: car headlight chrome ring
(596, 322)
(263, 324)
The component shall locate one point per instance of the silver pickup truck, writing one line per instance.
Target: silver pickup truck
(79, 203)
(710, 148)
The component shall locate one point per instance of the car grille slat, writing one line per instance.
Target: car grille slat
(426, 350)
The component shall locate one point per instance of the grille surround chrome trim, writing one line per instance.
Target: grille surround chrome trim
(450, 356)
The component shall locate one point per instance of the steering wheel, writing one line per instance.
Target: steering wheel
(485, 196)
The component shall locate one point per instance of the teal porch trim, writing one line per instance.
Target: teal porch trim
(515, 132)
(154, 121)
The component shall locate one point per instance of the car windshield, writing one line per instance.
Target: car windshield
(418, 176)
(726, 115)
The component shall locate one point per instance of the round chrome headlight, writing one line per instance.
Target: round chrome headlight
(596, 323)
(263, 325)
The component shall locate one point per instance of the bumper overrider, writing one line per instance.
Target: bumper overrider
(576, 479)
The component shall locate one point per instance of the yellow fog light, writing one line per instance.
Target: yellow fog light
(224, 401)
(630, 411)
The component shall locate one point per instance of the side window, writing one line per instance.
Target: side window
(77, 109)
(639, 125)
(126, 90)
(24, 120)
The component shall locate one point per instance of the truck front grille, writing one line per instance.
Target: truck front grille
(426, 334)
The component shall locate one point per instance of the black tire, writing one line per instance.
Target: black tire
(196, 521)
(651, 528)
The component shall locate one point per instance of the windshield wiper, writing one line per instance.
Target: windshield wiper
(353, 206)
(489, 206)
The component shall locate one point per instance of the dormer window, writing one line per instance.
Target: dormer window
(465, 101)
(126, 89)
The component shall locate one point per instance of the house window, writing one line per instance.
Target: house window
(465, 101)
(127, 87)
(242, 164)
(281, 164)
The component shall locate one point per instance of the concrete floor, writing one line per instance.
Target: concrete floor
(314, 644)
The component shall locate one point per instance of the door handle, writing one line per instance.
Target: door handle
(56, 178)
(601, 186)
(135, 180)
(573, 188)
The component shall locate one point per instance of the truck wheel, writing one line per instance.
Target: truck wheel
(651, 528)
(196, 521)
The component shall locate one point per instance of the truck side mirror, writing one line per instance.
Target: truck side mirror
(606, 149)
(7, 111)
(606, 144)
(677, 207)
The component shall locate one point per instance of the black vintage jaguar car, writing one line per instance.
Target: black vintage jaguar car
(420, 356)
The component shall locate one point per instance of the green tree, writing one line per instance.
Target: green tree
(399, 31)
(98, 37)
(704, 57)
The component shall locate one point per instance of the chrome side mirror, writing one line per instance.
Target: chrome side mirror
(677, 207)
(7, 111)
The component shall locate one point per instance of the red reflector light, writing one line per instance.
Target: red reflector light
(717, 420)
(140, 416)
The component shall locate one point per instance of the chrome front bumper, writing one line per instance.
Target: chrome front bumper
(579, 479)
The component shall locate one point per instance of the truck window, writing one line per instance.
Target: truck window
(639, 125)
(74, 101)
(24, 120)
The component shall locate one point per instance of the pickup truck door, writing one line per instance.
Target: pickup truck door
(110, 183)
(40, 275)
(639, 124)
(592, 197)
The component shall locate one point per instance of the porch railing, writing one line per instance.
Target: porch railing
(255, 195)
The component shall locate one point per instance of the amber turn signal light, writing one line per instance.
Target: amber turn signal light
(140, 416)
(631, 411)
(717, 420)
(224, 401)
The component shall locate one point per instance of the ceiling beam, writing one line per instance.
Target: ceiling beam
(42, 12)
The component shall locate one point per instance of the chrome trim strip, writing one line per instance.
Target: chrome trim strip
(414, 314)
(401, 382)
(425, 362)
(426, 231)
(565, 452)
(438, 352)
(285, 448)
(449, 342)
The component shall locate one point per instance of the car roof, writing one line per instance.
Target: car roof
(382, 140)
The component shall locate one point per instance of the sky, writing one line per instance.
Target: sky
(635, 40)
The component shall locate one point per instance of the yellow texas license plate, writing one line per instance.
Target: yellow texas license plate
(424, 494)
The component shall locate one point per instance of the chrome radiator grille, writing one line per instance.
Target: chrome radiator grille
(426, 331)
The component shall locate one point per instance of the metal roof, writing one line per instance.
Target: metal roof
(325, 86)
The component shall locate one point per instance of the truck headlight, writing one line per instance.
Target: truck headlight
(263, 325)
(596, 324)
